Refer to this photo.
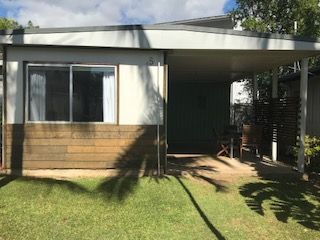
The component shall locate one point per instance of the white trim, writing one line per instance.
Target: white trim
(93, 65)
(158, 119)
(115, 67)
(47, 65)
(26, 100)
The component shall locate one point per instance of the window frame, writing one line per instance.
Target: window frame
(70, 66)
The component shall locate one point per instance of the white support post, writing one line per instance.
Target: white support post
(255, 91)
(232, 119)
(303, 119)
(274, 125)
(158, 120)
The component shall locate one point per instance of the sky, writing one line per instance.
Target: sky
(72, 13)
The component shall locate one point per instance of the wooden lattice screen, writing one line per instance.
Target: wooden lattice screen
(286, 115)
(279, 118)
(263, 117)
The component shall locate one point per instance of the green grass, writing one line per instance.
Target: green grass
(150, 208)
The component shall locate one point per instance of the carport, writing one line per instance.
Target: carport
(199, 92)
(199, 83)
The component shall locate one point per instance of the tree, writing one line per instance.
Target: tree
(30, 25)
(7, 23)
(273, 16)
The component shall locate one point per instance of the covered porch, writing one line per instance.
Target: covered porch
(200, 100)
(221, 168)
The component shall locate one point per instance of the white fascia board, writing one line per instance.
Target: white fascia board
(160, 39)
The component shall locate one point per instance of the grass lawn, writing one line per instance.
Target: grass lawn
(150, 208)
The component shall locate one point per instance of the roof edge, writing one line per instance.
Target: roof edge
(167, 27)
(204, 19)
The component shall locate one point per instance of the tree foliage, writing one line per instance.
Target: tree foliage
(274, 16)
(30, 25)
(7, 23)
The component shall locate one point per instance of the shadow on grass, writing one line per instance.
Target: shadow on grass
(51, 183)
(212, 228)
(48, 182)
(121, 188)
(5, 180)
(114, 188)
(178, 166)
(289, 198)
(188, 164)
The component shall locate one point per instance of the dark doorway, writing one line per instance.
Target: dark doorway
(197, 113)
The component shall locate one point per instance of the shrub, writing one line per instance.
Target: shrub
(311, 152)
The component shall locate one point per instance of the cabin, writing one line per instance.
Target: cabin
(123, 96)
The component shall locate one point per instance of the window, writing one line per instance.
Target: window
(48, 93)
(93, 94)
(75, 93)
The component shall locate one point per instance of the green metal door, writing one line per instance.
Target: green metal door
(196, 111)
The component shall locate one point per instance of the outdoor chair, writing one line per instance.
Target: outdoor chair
(224, 140)
(251, 138)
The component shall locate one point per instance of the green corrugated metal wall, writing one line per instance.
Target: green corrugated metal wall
(196, 111)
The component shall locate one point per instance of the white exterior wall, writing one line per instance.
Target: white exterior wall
(139, 102)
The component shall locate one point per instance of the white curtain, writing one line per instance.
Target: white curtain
(37, 96)
(109, 97)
